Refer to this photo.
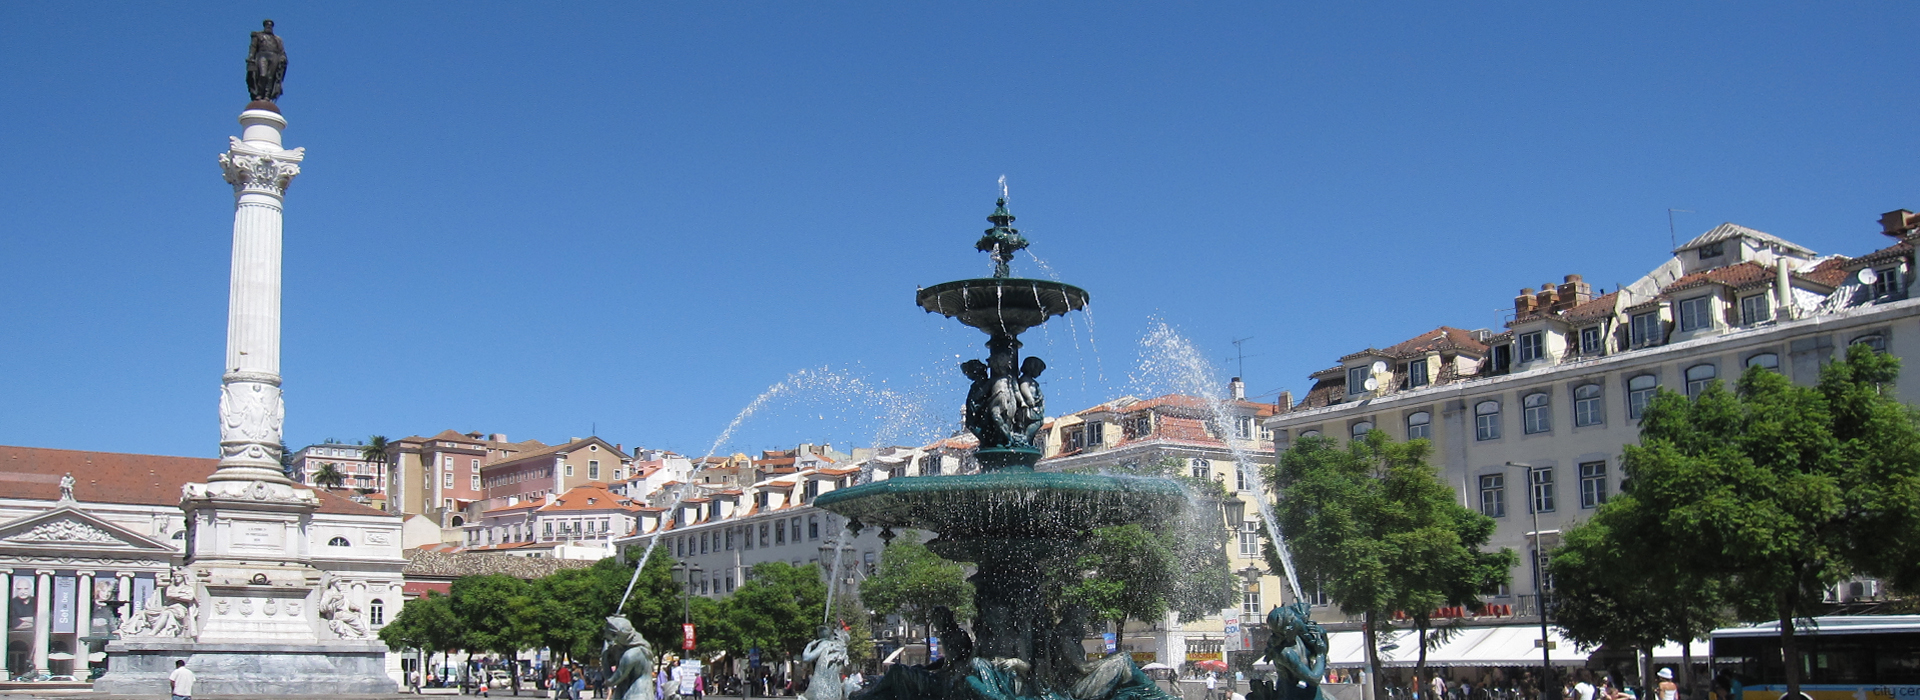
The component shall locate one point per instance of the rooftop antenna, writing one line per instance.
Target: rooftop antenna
(1240, 356)
(1672, 240)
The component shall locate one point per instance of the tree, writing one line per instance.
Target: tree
(1127, 573)
(1781, 490)
(912, 581)
(1179, 564)
(329, 476)
(427, 624)
(778, 609)
(1376, 526)
(497, 613)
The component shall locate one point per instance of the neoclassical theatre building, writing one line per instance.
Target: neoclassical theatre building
(114, 537)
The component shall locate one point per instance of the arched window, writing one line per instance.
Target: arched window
(1698, 377)
(1873, 340)
(1360, 429)
(1587, 409)
(1536, 416)
(1765, 360)
(1640, 393)
(1309, 433)
(1200, 468)
(459, 521)
(377, 612)
(180, 534)
(339, 542)
(1486, 420)
(1420, 426)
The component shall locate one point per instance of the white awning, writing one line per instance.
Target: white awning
(1670, 652)
(1504, 645)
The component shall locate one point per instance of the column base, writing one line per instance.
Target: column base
(253, 669)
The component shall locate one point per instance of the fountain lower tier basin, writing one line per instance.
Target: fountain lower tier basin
(1002, 304)
(1004, 505)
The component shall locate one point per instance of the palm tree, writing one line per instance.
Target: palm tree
(375, 452)
(329, 475)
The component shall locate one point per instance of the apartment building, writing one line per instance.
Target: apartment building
(366, 479)
(581, 523)
(534, 474)
(1532, 420)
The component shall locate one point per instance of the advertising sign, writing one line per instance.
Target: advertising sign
(686, 642)
(142, 590)
(1113, 644)
(1234, 642)
(933, 649)
(753, 657)
(63, 590)
(688, 672)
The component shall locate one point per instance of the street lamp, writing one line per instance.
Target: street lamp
(1539, 598)
(686, 603)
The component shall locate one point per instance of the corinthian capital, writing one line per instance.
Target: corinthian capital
(249, 168)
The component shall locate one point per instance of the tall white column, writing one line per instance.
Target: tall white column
(42, 619)
(82, 620)
(251, 410)
(6, 619)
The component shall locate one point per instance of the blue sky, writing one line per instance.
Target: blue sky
(547, 219)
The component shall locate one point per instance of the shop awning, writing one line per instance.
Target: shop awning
(1503, 645)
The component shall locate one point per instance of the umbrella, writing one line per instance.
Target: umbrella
(1212, 665)
(1155, 666)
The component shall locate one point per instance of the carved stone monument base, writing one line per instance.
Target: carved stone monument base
(140, 667)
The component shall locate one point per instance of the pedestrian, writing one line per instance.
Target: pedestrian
(1440, 688)
(181, 680)
(1213, 685)
(1582, 689)
(1667, 690)
(413, 681)
(579, 685)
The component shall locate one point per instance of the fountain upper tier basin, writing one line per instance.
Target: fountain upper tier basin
(1007, 504)
(1002, 304)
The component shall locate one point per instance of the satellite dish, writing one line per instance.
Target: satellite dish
(1867, 276)
(1372, 384)
(1379, 367)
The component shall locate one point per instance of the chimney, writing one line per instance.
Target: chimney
(1898, 223)
(1284, 402)
(1523, 304)
(1574, 292)
(498, 437)
(1239, 389)
(1546, 298)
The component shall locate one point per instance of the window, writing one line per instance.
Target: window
(446, 503)
(780, 532)
(1359, 430)
(1502, 357)
(339, 542)
(473, 465)
(1096, 433)
(1076, 439)
(1590, 340)
(1250, 603)
(1493, 495)
(1417, 374)
(1309, 433)
(1542, 478)
(1486, 420)
(1587, 409)
(1536, 416)
(1696, 313)
(548, 530)
(1766, 359)
(812, 489)
(729, 582)
(1420, 426)
(1356, 380)
(1644, 329)
(813, 527)
(763, 535)
(1640, 393)
(1755, 309)
(1713, 250)
(1698, 377)
(377, 612)
(446, 479)
(1532, 346)
(1593, 484)
(1243, 427)
(569, 470)
(1249, 539)
(1202, 469)
(1886, 282)
(476, 482)
(1876, 341)
(593, 470)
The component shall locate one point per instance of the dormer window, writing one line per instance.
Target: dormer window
(1533, 346)
(1696, 313)
(1590, 340)
(1644, 329)
(1356, 380)
(1886, 281)
(1096, 433)
(1417, 373)
(1755, 309)
(1713, 250)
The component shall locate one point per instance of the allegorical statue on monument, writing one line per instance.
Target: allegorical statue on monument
(341, 613)
(172, 610)
(1298, 650)
(266, 64)
(632, 659)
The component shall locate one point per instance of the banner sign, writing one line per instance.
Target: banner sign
(1113, 644)
(687, 643)
(142, 590)
(933, 649)
(63, 594)
(753, 657)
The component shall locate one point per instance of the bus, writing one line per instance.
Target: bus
(1843, 657)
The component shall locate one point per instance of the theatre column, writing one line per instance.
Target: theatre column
(42, 619)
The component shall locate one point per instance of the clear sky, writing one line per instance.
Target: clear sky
(544, 219)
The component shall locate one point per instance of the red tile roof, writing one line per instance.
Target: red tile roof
(114, 477)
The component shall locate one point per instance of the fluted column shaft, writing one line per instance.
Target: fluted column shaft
(42, 619)
(251, 409)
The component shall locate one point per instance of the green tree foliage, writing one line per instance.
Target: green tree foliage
(1180, 564)
(912, 581)
(1781, 490)
(427, 624)
(1374, 523)
(1127, 572)
(329, 475)
(779, 608)
(497, 613)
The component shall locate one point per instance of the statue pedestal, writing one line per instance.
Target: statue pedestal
(140, 667)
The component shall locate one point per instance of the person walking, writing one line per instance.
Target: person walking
(1667, 690)
(1213, 685)
(181, 680)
